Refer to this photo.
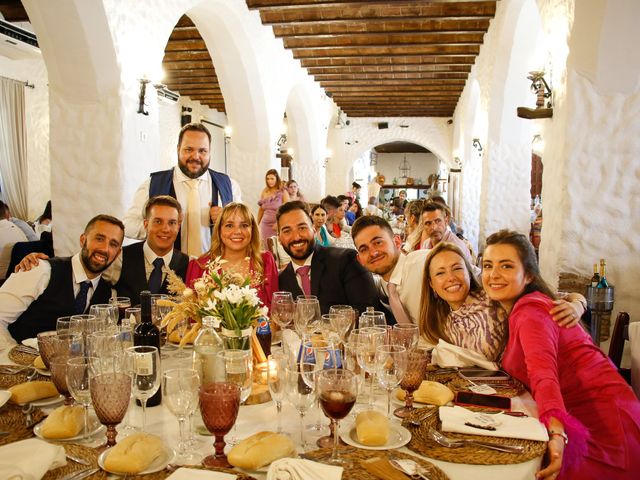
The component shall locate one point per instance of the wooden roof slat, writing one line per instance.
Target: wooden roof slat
(388, 60)
(395, 88)
(449, 77)
(186, 45)
(388, 50)
(383, 39)
(432, 69)
(186, 56)
(394, 82)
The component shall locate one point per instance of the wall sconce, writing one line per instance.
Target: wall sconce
(541, 88)
(458, 161)
(476, 143)
(227, 134)
(327, 157)
(141, 95)
(282, 140)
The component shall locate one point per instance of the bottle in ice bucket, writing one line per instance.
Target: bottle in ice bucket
(263, 332)
(205, 352)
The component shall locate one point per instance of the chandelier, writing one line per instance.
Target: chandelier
(404, 168)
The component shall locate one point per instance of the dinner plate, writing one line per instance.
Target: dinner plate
(5, 395)
(46, 373)
(397, 401)
(94, 427)
(159, 463)
(30, 342)
(398, 436)
(46, 402)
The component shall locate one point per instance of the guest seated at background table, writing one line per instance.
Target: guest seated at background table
(353, 212)
(10, 234)
(319, 216)
(413, 229)
(332, 274)
(44, 223)
(592, 415)
(21, 224)
(435, 228)
(30, 302)
(236, 239)
(456, 309)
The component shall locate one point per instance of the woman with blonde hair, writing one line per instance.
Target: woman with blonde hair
(413, 231)
(236, 239)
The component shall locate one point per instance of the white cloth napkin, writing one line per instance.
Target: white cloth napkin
(526, 428)
(634, 343)
(31, 342)
(195, 474)
(299, 469)
(448, 355)
(30, 459)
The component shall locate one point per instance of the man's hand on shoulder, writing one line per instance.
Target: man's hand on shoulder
(214, 212)
(30, 261)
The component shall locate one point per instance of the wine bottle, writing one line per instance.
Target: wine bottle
(147, 334)
(595, 280)
(603, 275)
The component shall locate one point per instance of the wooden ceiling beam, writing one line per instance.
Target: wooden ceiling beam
(184, 33)
(386, 50)
(275, 4)
(190, 83)
(395, 82)
(187, 56)
(425, 60)
(390, 69)
(391, 89)
(365, 11)
(186, 45)
(184, 22)
(384, 26)
(188, 65)
(383, 39)
(449, 77)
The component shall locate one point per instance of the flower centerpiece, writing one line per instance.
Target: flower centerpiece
(226, 295)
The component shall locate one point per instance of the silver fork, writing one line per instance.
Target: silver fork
(417, 422)
(455, 443)
(26, 411)
(79, 460)
(413, 469)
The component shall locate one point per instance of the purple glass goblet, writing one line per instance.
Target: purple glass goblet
(46, 346)
(417, 362)
(110, 394)
(219, 405)
(58, 367)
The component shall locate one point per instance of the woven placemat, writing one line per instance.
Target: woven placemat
(354, 471)
(82, 452)
(9, 380)
(21, 358)
(161, 475)
(12, 420)
(434, 374)
(423, 444)
(511, 389)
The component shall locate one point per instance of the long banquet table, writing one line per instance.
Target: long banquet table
(255, 418)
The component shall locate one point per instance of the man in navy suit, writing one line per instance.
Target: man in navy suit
(332, 274)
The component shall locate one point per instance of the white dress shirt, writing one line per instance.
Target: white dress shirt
(23, 288)
(134, 221)
(10, 233)
(112, 274)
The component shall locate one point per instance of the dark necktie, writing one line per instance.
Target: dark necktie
(155, 279)
(80, 303)
(303, 273)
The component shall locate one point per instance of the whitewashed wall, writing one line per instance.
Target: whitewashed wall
(422, 165)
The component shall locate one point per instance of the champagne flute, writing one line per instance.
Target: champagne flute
(110, 386)
(180, 393)
(417, 361)
(337, 390)
(238, 370)
(301, 394)
(391, 365)
(219, 405)
(78, 373)
(369, 340)
(144, 366)
(275, 379)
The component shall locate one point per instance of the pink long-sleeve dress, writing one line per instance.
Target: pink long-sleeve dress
(572, 380)
(268, 282)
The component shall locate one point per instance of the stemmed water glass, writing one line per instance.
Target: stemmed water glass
(405, 335)
(372, 318)
(121, 303)
(282, 309)
(219, 405)
(144, 366)
(180, 394)
(78, 374)
(238, 369)
(369, 339)
(343, 319)
(417, 361)
(307, 315)
(58, 367)
(106, 312)
(275, 379)
(337, 391)
(63, 324)
(301, 393)
(105, 343)
(110, 386)
(391, 365)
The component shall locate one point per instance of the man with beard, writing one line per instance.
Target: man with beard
(435, 228)
(332, 274)
(202, 192)
(30, 302)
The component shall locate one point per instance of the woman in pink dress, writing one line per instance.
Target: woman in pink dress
(272, 196)
(592, 415)
(236, 239)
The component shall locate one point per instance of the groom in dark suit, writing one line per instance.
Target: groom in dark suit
(332, 274)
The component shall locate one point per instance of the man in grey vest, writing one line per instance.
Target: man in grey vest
(202, 192)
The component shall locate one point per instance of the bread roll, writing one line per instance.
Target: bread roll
(372, 428)
(39, 364)
(134, 454)
(30, 391)
(260, 449)
(433, 393)
(63, 422)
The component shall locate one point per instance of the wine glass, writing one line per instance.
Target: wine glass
(46, 346)
(307, 315)
(238, 369)
(405, 335)
(180, 394)
(144, 367)
(301, 393)
(58, 367)
(343, 320)
(327, 327)
(275, 379)
(105, 343)
(133, 315)
(369, 339)
(107, 312)
(282, 309)
(417, 361)
(67, 344)
(121, 303)
(219, 405)
(78, 373)
(391, 365)
(372, 319)
(110, 386)
(158, 312)
(63, 324)
(350, 362)
(337, 391)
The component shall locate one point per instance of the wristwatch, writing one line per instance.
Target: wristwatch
(564, 436)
